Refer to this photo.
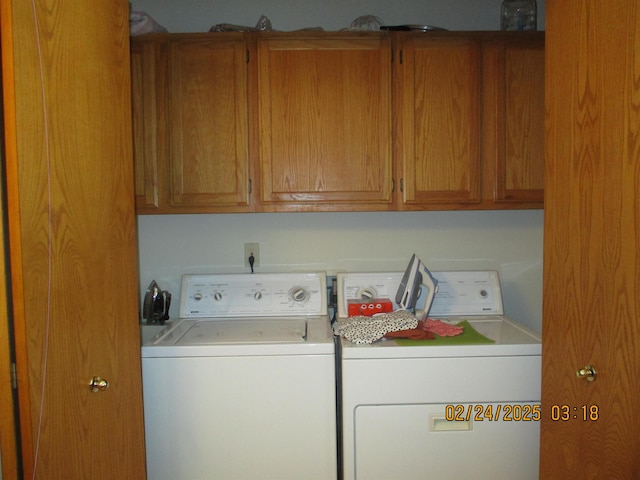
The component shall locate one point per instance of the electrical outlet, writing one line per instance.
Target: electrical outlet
(252, 248)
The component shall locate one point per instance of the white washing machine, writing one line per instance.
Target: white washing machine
(438, 410)
(242, 386)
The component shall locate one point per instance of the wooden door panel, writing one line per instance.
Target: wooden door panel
(524, 120)
(325, 119)
(145, 126)
(592, 239)
(73, 240)
(516, 78)
(440, 108)
(207, 113)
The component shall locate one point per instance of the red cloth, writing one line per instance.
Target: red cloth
(427, 330)
(440, 328)
(413, 334)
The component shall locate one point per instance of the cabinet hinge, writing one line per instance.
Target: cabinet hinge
(402, 185)
(393, 185)
(14, 376)
(250, 186)
(401, 56)
(247, 55)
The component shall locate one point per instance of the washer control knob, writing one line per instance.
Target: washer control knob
(217, 296)
(299, 294)
(257, 295)
(197, 297)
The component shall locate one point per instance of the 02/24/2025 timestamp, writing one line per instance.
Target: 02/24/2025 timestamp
(525, 412)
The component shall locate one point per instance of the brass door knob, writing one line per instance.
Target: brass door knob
(588, 371)
(97, 384)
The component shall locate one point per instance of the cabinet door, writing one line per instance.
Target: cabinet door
(207, 122)
(439, 120)
(324, 110)
(513, 119)
(144, 115)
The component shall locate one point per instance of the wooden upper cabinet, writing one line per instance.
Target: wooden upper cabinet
(145, 129)
(324, 121)
(470, 120)
(207, 122)
(514, 119)
(438, 118)
(338, 121)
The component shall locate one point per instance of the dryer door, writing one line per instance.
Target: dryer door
(420, 441)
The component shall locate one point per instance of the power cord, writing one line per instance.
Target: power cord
(252, 259)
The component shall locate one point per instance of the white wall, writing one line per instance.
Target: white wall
(510, 242)
(200, 15)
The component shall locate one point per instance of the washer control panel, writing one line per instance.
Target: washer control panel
(252, 295)
(474, 292)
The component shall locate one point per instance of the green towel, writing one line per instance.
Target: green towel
(469, 336)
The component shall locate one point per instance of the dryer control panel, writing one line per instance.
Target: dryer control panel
(459, 293)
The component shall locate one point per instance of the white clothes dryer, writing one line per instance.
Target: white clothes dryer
(441, 410)
(242, 386)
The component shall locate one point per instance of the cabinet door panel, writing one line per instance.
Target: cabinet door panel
(143, 107)
(207, 117)
(440, 105)
(516, 71)
(325, 119)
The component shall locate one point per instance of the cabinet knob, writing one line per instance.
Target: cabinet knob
(588, 371)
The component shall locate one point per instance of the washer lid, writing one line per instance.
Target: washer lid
(243, 337)
(221, 332)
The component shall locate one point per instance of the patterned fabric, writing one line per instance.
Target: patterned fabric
(366, 330)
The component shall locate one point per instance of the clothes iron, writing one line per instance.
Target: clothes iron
(156, 304)
(416, 276)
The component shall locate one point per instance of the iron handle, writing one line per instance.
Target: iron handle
(588, 371)
(97, 384)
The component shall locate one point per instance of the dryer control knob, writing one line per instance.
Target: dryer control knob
(367, 294)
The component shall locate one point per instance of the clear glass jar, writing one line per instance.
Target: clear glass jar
(518, 15)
